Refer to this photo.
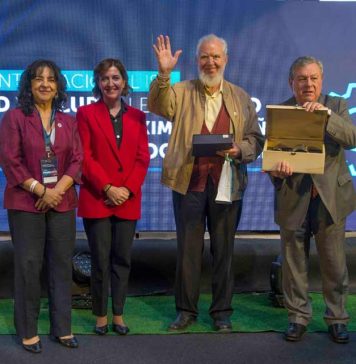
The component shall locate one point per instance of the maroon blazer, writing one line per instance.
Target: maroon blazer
(105, 163)
(22, 147)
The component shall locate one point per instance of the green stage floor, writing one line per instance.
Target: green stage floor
(152, 315)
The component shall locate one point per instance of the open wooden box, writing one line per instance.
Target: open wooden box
(296, 136)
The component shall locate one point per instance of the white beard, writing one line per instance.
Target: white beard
(211, 81)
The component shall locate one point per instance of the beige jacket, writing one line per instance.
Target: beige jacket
(183, 104)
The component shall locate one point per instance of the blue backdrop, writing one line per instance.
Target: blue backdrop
(264, 37)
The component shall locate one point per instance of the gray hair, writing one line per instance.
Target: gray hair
(302, 62)
(210, 37)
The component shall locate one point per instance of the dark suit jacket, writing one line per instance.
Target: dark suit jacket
(105, 163)
(22, 147)
(335, 186)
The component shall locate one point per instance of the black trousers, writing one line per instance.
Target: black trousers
(37, 237)
(193, 212)
(110, 241)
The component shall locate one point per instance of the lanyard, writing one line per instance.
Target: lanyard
(47, 136)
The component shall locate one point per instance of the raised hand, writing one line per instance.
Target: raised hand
(166, 60)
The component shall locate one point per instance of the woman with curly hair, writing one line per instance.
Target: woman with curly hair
(41, 156)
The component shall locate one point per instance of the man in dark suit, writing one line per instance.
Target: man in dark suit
(310, 204)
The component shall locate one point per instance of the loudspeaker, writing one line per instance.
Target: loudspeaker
(276, 294)
(81, 267)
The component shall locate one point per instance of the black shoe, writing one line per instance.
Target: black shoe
(222, 325)
(101, 330)
(120, 329)
(182, 321)
(295, 332)
(71, 342)
(33, 348)
(338, 333)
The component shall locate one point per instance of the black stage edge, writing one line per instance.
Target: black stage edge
(153, 265)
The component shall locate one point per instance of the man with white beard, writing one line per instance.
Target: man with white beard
(209, 105)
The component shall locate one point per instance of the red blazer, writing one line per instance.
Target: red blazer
(22, 147)
(105, 163)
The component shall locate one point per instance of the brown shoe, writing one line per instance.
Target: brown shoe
(338, 333)
(295, 332)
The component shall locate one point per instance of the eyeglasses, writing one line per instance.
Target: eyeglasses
(300, 148)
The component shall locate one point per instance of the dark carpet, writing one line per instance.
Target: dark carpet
(262, 348)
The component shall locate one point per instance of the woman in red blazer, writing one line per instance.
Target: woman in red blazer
(116, 158)
(41, 155)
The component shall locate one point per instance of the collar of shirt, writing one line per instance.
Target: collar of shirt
(213, 105)
(122, 110)
(216, 93)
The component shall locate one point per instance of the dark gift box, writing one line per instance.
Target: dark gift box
(206, 145)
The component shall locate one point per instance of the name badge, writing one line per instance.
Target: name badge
(49, 170)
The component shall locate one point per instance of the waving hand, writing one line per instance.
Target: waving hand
(166, 60)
